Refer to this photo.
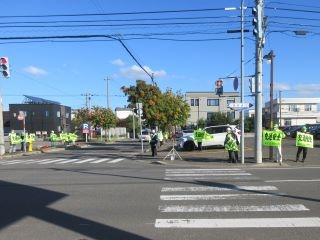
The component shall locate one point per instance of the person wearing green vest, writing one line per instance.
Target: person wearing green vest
(302, 149)
(160, 137)
(231, 144)
(281, 135)
(199, 135)
(14, 140)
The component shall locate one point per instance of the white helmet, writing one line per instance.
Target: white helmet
(228, 129)
(153, 131)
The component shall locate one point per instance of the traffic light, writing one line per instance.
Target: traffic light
(219, 87)
(5, 69)
(257, 21)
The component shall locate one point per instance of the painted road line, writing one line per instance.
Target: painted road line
(227, 178)
(38, 161)
(207, 174)
(215, 196)
(53, 161)
(233, 208)
(226, 188)
(239, 223)
(68, 161)
(85, 160)
(201, 169)
(101, 160)
(116, 160)
(295, 180)
(12, 162)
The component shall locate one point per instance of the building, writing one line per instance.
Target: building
(40, 116)
(205, 104)
(293, 111)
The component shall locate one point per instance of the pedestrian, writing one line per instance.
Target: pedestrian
(279, 135)
(160, 137)
(153, 143)
(231, 144)
(199, 135)
(236, 151)
(13, 141)
(304, 150)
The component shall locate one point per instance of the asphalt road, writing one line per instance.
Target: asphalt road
(115, 192)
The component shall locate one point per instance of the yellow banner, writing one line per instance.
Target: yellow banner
(304, 140)
(271, 138)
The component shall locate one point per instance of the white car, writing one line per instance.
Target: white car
(146, 137)
(219, 134)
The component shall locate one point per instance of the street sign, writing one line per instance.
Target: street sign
(239, 106)
(235, 83)
(85, 128)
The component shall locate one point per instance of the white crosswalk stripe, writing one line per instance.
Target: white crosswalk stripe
(225, 193)
(62, 161)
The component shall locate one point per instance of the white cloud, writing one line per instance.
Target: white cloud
(307, 88)
(35, 71)
(137, 73)
(281, 86)
(118, 62)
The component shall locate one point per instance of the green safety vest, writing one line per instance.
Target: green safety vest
(304, 140)
(272, 138)
(231, 143)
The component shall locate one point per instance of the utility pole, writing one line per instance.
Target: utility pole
(242, 82)
(270, 56)
(2, 144)
(259, 34)
(88, 99)
(107, 80)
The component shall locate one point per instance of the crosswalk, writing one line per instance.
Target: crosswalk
(61, 161)
(206, 198)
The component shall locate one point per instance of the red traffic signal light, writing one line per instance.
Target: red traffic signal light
(219, 83)
(4, 64)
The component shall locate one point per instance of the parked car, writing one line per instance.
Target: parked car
(145, 136)
(316, 133)
(287, 130)
(187, 132)
(219, 133)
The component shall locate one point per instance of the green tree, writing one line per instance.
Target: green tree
(159, 109)
(82, 116)
(219, 118)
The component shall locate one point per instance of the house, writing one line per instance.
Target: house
(293, 111)
(40, 116)
(205, 104)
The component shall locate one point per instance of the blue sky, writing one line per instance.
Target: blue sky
(185, 50)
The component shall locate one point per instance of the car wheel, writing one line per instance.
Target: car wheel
(189, 146)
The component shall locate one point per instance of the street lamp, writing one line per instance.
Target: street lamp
(270, 57)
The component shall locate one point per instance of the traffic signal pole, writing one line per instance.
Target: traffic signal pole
(242, 82)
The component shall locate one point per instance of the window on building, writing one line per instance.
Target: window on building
(58, 114)
(230, 101)
(231, 115)
(293, 108)
(46, 113)
(67, 115)
(210, 115)
(307, 107)
(194, 102)
(287, 122)
(212, 102)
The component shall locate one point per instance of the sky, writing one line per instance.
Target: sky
(69, 51)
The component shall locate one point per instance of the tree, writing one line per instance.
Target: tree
(219, 118)
(82, 116)
(159, 109)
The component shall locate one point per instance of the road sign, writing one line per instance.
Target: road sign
(239, 106)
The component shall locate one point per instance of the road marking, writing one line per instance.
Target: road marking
(11, 162)
(201, 170)
(214, 196)
(117, 160)
(101, 160)
(68, 161)
(295, 180)
(229, 178)
(53, 161)
(207, 174)
(86, 160)
(226, 188)
(239, 223)
(235, 208)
